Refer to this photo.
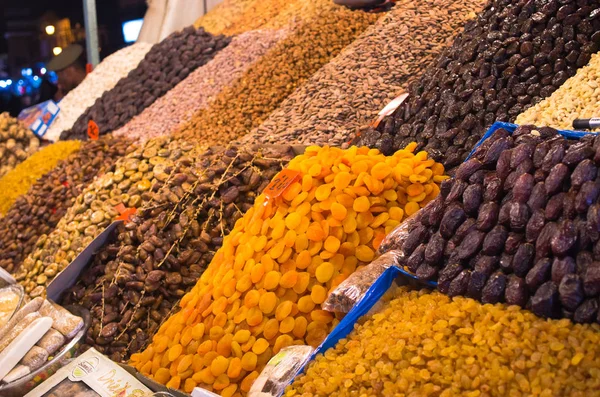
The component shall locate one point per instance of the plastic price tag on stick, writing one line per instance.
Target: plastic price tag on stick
(93, 130)
(389, 109)
(280, 183)
(125, 213)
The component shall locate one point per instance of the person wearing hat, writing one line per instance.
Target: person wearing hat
(69, 66)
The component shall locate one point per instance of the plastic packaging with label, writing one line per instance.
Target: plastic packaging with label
(280, 371)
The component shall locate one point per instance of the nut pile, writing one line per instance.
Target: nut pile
(576, 99)
(519, 223)
(104, 77)
(16, 143)
(134, 284)
(19, 180)
(164, 66)
(201, 86)
(349, 91)
(224, 15)
(261, 290)
(425, 344)
(129, 183)
(511, 57)
(38, 211)
(324, 31)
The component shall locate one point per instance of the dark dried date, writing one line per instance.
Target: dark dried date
(493, 244)
(539, 273)
(523, 259)
(488, 216)
(494, 288)
(516, 291)
(545, 302)
(472, 198)
(570, 291)
(452, 219)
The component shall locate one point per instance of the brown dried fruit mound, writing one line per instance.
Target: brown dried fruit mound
(16, 143)
(426, 344)
(530, 237)
(129, 183)
(323, 31)
(349, 91)
(164, 66)
(38, 211)
(134, 284)
(511, 57)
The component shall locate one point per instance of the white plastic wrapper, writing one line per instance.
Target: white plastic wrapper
(280, 371)
(351, 290)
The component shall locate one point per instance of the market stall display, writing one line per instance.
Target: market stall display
(19, 180)
(164, 66)
(577, 98)
(514, 55)
(103, 78)
(16, 143)
(519, 224)
(424, 343)
(128, 183)
(39, 210)
(322, 32)
(197, 90)
(135, 283)
(348, 92)
(261, 290)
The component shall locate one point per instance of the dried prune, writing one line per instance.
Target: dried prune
(556, 178)
(417, 236)
(535, 225)
(470, 245)
(463, 230)
(537, 198)
(459, 285)
(468, 168)
(493, 188)
(472, 198)
(447, 274)
(496, 149)
(476, 283)
(587, 195)
(523, 188)
(591, 279)
(564, 238)
(542, 245)
(516, 291)
(435, 249)
(570, 290)
(545, 301)
(539, 273)
(457, 190)
(488, 216)
(416, 258)
(452, 219)
(426, 271)
(494, 288)
(584, 172)
(561, 267)
(493, 244)
(554, 207)
(586, 312)
(523, 259)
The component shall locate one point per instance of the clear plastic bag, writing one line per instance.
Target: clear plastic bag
(280, 371)
(351, 290)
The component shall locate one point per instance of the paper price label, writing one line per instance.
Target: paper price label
(281, 182)
(93, 130)
(125, 213)
(389, 109)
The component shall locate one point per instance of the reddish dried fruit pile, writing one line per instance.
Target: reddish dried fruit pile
(520, 223)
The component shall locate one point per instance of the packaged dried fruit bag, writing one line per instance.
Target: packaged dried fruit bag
(262, 289)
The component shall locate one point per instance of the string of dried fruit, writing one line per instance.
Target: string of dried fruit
(23, 176)
(135, 283)
(164, 66)
(129, 183)
(423, 343)
(201, 86)
(519, 224)
(321, 34)
(260, 291)
(514, 55)
(349, 91)
(577, 98)
(16, 143)
(38, 211)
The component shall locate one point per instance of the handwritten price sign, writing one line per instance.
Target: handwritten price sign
(281, 182)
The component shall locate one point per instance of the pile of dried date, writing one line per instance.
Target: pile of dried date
(39, 211)
(515, 54)
(519, 223)
(135, 282)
